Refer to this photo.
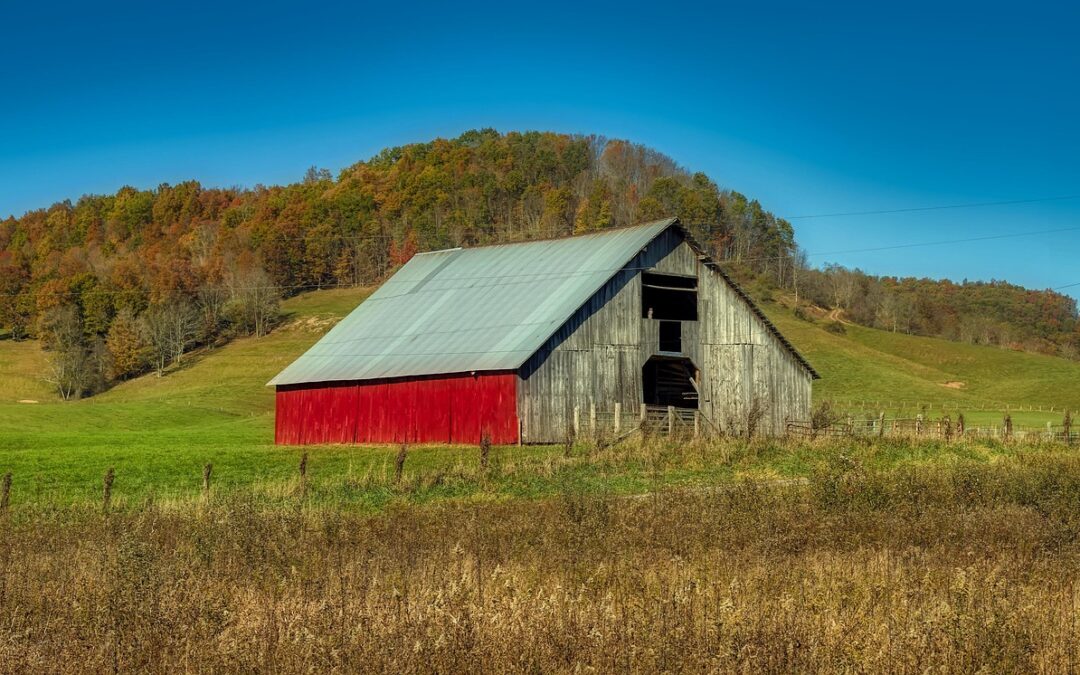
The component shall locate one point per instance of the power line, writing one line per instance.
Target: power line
(947, 242)
(943, 207)
(891, 247)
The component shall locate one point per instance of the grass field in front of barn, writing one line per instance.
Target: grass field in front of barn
(960, 566)
(158, 433)
(826, 555)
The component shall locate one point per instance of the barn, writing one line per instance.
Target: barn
(529, 342)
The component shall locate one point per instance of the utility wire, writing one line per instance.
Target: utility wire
(893, 247)
(948, 242)
(970, 205)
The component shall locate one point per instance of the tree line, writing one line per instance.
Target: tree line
(994, 313)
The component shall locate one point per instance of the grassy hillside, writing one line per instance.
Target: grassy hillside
(159, 432)
(865, 368)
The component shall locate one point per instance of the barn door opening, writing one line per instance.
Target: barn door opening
(669, 381)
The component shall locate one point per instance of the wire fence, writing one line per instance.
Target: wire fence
(944, 429)
(972, 406)
(687, 423)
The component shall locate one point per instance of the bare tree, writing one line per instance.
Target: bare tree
(75, 368)
(183, 328)
(156, 332)
(69, 372)
(254, 302)
(211, 301)
(843, 284)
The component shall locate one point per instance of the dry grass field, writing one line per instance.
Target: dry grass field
(964, 566)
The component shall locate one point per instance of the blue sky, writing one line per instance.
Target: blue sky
(811, 109)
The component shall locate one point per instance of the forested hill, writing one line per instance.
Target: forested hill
(994, 313)
(116, 284)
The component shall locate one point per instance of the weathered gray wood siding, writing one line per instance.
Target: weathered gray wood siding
(596, 358)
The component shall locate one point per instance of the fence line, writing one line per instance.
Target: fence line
(618, 423)
(943, 428)
(647, 419)
(971, 406)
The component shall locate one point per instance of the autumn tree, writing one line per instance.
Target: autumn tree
(126, 345)
(16, 299)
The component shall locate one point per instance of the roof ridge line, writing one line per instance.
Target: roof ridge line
(602, 232)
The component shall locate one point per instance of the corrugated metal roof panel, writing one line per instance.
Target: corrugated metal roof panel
(460, 310)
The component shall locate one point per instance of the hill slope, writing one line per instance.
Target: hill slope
(227, 385)
(899, 373)
(159, 432)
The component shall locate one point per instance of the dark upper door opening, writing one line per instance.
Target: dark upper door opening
(671, 336)
(668, 297)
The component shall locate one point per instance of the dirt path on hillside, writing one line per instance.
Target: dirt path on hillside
(835, 315)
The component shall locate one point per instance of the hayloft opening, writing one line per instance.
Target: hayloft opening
(669, 381)
(669, 297)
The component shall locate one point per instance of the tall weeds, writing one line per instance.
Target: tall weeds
(960, 568)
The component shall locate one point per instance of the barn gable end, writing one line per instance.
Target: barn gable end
(596, 359)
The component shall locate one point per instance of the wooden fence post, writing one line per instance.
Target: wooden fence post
(106, 489)
(881, 424)
(577, 420)
(618, 418)
(592, 419)
(643, 414)
(206, 473)
(5, 492)
(670, 420)
(697, 423)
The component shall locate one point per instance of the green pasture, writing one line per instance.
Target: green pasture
(158, 433)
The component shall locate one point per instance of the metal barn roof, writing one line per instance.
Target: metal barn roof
(486, 308)
(460, 310)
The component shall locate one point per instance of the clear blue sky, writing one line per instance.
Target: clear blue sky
(811, 109)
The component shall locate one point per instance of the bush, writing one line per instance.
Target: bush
(823, 416)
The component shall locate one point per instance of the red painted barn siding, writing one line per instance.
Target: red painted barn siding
(444, 409)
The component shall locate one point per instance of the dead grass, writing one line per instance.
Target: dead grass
(959, 568)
